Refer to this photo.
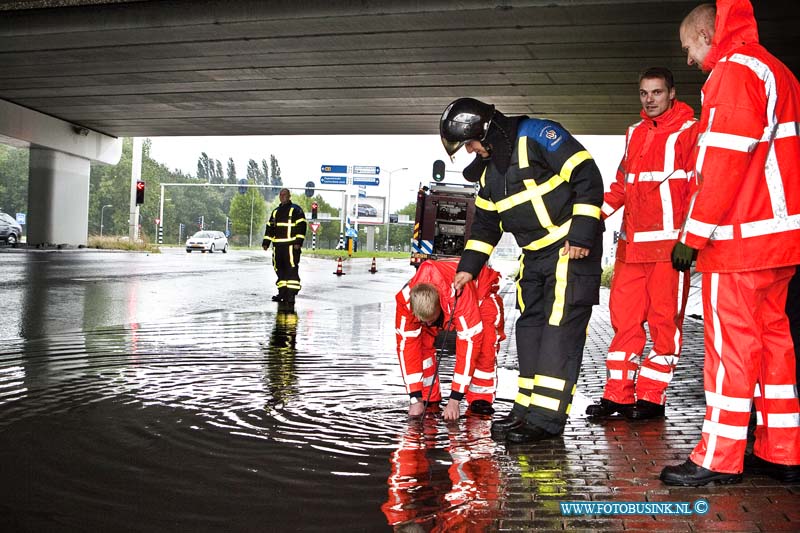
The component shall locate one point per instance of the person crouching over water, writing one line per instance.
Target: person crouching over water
(428, 303)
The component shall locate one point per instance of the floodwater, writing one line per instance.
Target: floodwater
(164, 393)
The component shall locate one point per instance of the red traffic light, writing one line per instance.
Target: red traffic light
(139, 192)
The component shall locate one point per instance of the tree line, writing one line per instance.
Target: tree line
(185, 208)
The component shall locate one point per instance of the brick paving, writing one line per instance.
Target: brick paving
(619, 461)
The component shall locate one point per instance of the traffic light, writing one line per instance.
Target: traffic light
(314, 207)
(139, 192)
(309, 189)
(438, 170)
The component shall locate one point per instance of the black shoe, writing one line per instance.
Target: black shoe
(500, 428)
(607, 408)
(527, 433)
(689, 474)
(644, 410)
(481, 407)
(277, 298)
(783, 473)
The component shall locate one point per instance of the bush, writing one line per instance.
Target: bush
(121, 243)
(605, 277)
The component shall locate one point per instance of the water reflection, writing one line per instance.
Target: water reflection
(444, 478)
(281, 355)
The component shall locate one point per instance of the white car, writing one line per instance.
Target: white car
(207, 241)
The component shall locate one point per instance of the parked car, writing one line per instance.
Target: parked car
(366, 210)
(207, 241)
(10, 231)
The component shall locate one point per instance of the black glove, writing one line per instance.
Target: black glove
(682, 256)
(265, 243)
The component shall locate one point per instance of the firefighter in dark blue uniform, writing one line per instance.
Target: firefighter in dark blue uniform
(286, 230)
(540, 184)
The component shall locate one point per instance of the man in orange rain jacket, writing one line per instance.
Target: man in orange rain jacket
(653, 186)
(425, 305)
(744, 221)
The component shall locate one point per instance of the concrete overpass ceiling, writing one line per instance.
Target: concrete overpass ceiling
(180, 67)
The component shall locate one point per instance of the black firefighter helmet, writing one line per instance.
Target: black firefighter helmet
(463, 120)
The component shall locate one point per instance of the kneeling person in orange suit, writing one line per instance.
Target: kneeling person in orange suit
(428, 303)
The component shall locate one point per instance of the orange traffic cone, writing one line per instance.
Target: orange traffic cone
(339, 267)
(373, 269)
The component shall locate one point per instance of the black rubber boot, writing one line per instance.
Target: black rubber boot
(500, 428)
(644, 410)
(607, 408)
(481, 407)
(689, 474)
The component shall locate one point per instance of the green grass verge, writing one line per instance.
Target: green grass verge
(121, 243)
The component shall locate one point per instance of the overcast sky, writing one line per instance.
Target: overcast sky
(300, 158)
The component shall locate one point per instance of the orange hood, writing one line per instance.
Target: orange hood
(735, 26)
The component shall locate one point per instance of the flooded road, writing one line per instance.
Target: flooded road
(166, 392)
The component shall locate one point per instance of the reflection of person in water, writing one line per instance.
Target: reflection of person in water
(427, 495)
(281, 354)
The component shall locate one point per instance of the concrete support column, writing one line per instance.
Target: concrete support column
(370, 238)
(58, 198)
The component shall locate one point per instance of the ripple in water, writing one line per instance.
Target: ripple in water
(227, 422)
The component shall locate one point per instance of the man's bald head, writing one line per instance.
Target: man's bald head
(701, 17)
(697, 33)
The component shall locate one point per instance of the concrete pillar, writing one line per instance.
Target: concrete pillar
(58, 198)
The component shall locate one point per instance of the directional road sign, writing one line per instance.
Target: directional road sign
(366, 170)
(333, 180)
(362, 180)
(334, 169)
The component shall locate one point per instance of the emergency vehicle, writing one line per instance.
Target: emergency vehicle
(442, 221)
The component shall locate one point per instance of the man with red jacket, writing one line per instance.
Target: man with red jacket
(744, 221)
(428, 303)
(653, 186)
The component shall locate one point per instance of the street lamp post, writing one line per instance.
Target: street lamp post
(101, 217)
(388, 203)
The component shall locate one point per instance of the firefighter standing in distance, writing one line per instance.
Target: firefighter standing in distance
(744, 221)
(538, 183)
(286, 230)
(425, 305)
(653, 185)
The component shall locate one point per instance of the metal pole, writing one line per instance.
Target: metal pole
(101, 217)
(388, 203)
(252, 200)
(160, 214)
(136, 174)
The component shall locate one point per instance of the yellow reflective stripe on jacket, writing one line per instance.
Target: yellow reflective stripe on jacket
(479, 246)
(555, 234)
(520, 301)
(522, 150)
(587, 210)
(576, 159)
(484, 204)
(560, 291)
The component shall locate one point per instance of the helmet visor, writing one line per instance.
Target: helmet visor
(451, 147)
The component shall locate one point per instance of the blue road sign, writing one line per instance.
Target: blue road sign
(334, 169)
(21, 217)
(360, 180)
(366, 170)
(333, 180)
